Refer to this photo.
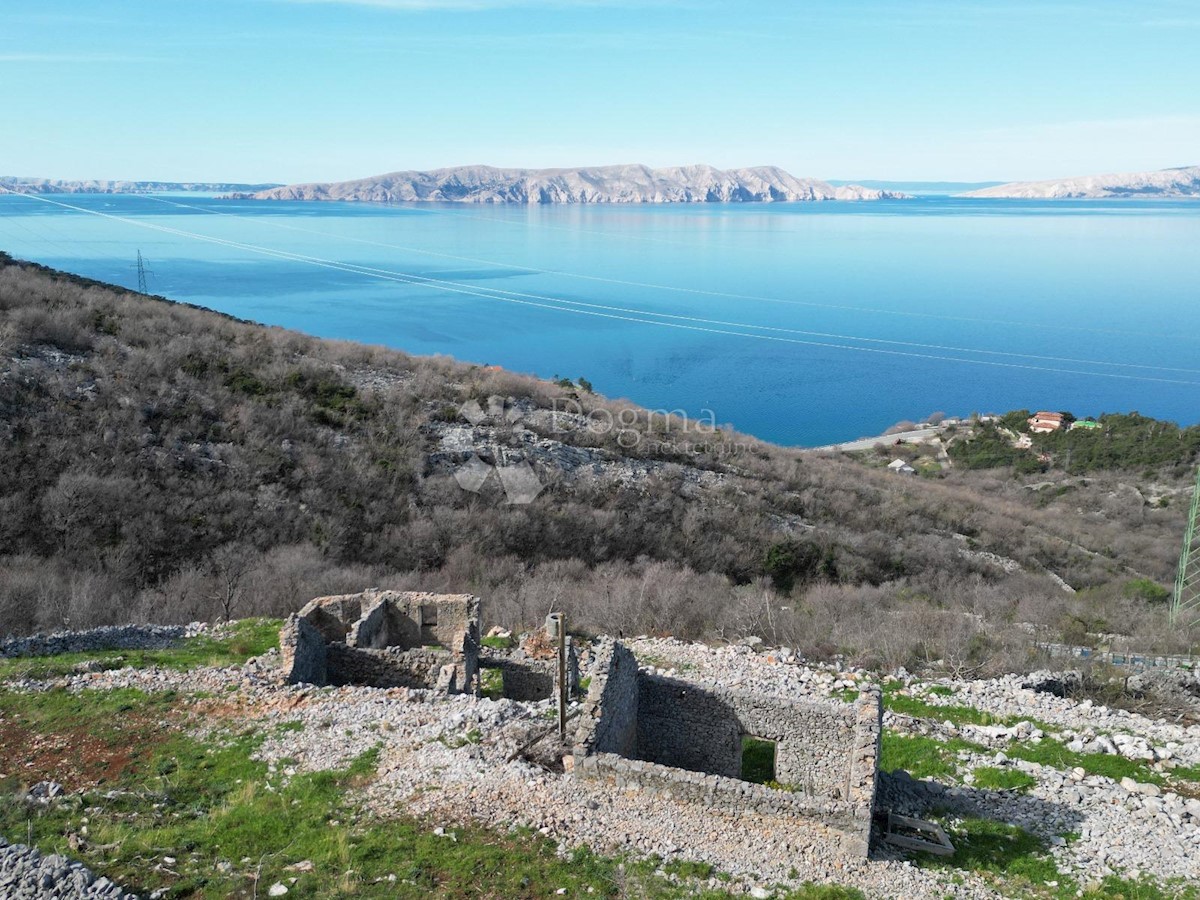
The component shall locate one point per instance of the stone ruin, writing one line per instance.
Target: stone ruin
(385, 639)
(635, 729)
(528, 671)
(685, 741)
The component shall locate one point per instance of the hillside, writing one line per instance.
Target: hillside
(20, 185)
(597, 184)
(165, 463)
(1182, 182)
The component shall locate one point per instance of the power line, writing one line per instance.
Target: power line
(638, 311)
(677, 288)
(557, 305)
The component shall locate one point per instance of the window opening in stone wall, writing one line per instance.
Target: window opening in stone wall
(758, 760)
(429, 620)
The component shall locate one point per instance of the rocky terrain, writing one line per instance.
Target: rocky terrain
(1181, 182)
(20, 185)
(1007, 754)
(597, 184)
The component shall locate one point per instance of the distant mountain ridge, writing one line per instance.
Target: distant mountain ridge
(1181, 182)
(596, 184)
(21, 185)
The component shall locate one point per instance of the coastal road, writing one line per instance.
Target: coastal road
(884, 440)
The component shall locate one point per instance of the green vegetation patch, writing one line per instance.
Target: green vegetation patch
(996, 778)
(234, 829)
(922, 757)
(1053, 752)
(491, 683)
(1049, 751)
(237, 643)
(1019, 863)
(1115, 441)
(500, 642)
(758, 760)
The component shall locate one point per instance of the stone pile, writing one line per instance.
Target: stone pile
(1087, 726)
(109, 637)
(25, 874)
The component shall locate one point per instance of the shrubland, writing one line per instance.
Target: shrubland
(160, 462)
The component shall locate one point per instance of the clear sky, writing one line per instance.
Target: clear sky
(303, 90)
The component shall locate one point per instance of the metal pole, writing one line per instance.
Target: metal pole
(556, 627)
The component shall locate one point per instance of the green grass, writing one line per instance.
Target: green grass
(758, 760)
(491, 683)
(922, 757)
(247, 638)
(496, 642)
(1053, 752)
(211, 805)
(995, 778)
(959, 715)
(1019, 863)
(1049, 751)
(812, 891)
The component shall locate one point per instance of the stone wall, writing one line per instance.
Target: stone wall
(525, 680)
(610, 711)
(302, 651)
(680, 725)
(107, 637)
(846, 828)
(685, 725)
(386, 668)
(531, 678)
(684, 740)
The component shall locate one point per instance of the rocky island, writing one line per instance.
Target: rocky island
(597, 184)
(1182, 182)
(19, 185)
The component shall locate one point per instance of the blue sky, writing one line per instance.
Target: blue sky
(298, 90)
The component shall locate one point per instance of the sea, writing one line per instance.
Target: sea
(804, 324)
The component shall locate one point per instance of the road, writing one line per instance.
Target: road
(883, 440)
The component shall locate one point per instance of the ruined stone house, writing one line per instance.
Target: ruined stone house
(635, 729)
(385, 639)
(685, 740)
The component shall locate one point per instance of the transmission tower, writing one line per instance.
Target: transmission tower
(142, 273)
(1185, 602)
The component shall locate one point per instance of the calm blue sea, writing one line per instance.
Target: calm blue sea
(803, 323)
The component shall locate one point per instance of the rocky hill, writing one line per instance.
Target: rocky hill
(598, 184)
(103, 186)
(166, 463)
(1182, 182)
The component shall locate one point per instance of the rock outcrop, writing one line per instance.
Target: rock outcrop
(599, 184)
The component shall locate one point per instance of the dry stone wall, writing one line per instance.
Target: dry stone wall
(680, 725)
(609, 718)
(531, 678)
(684, 740)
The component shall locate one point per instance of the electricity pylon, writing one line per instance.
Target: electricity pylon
(1185, 602)
(142, 271)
